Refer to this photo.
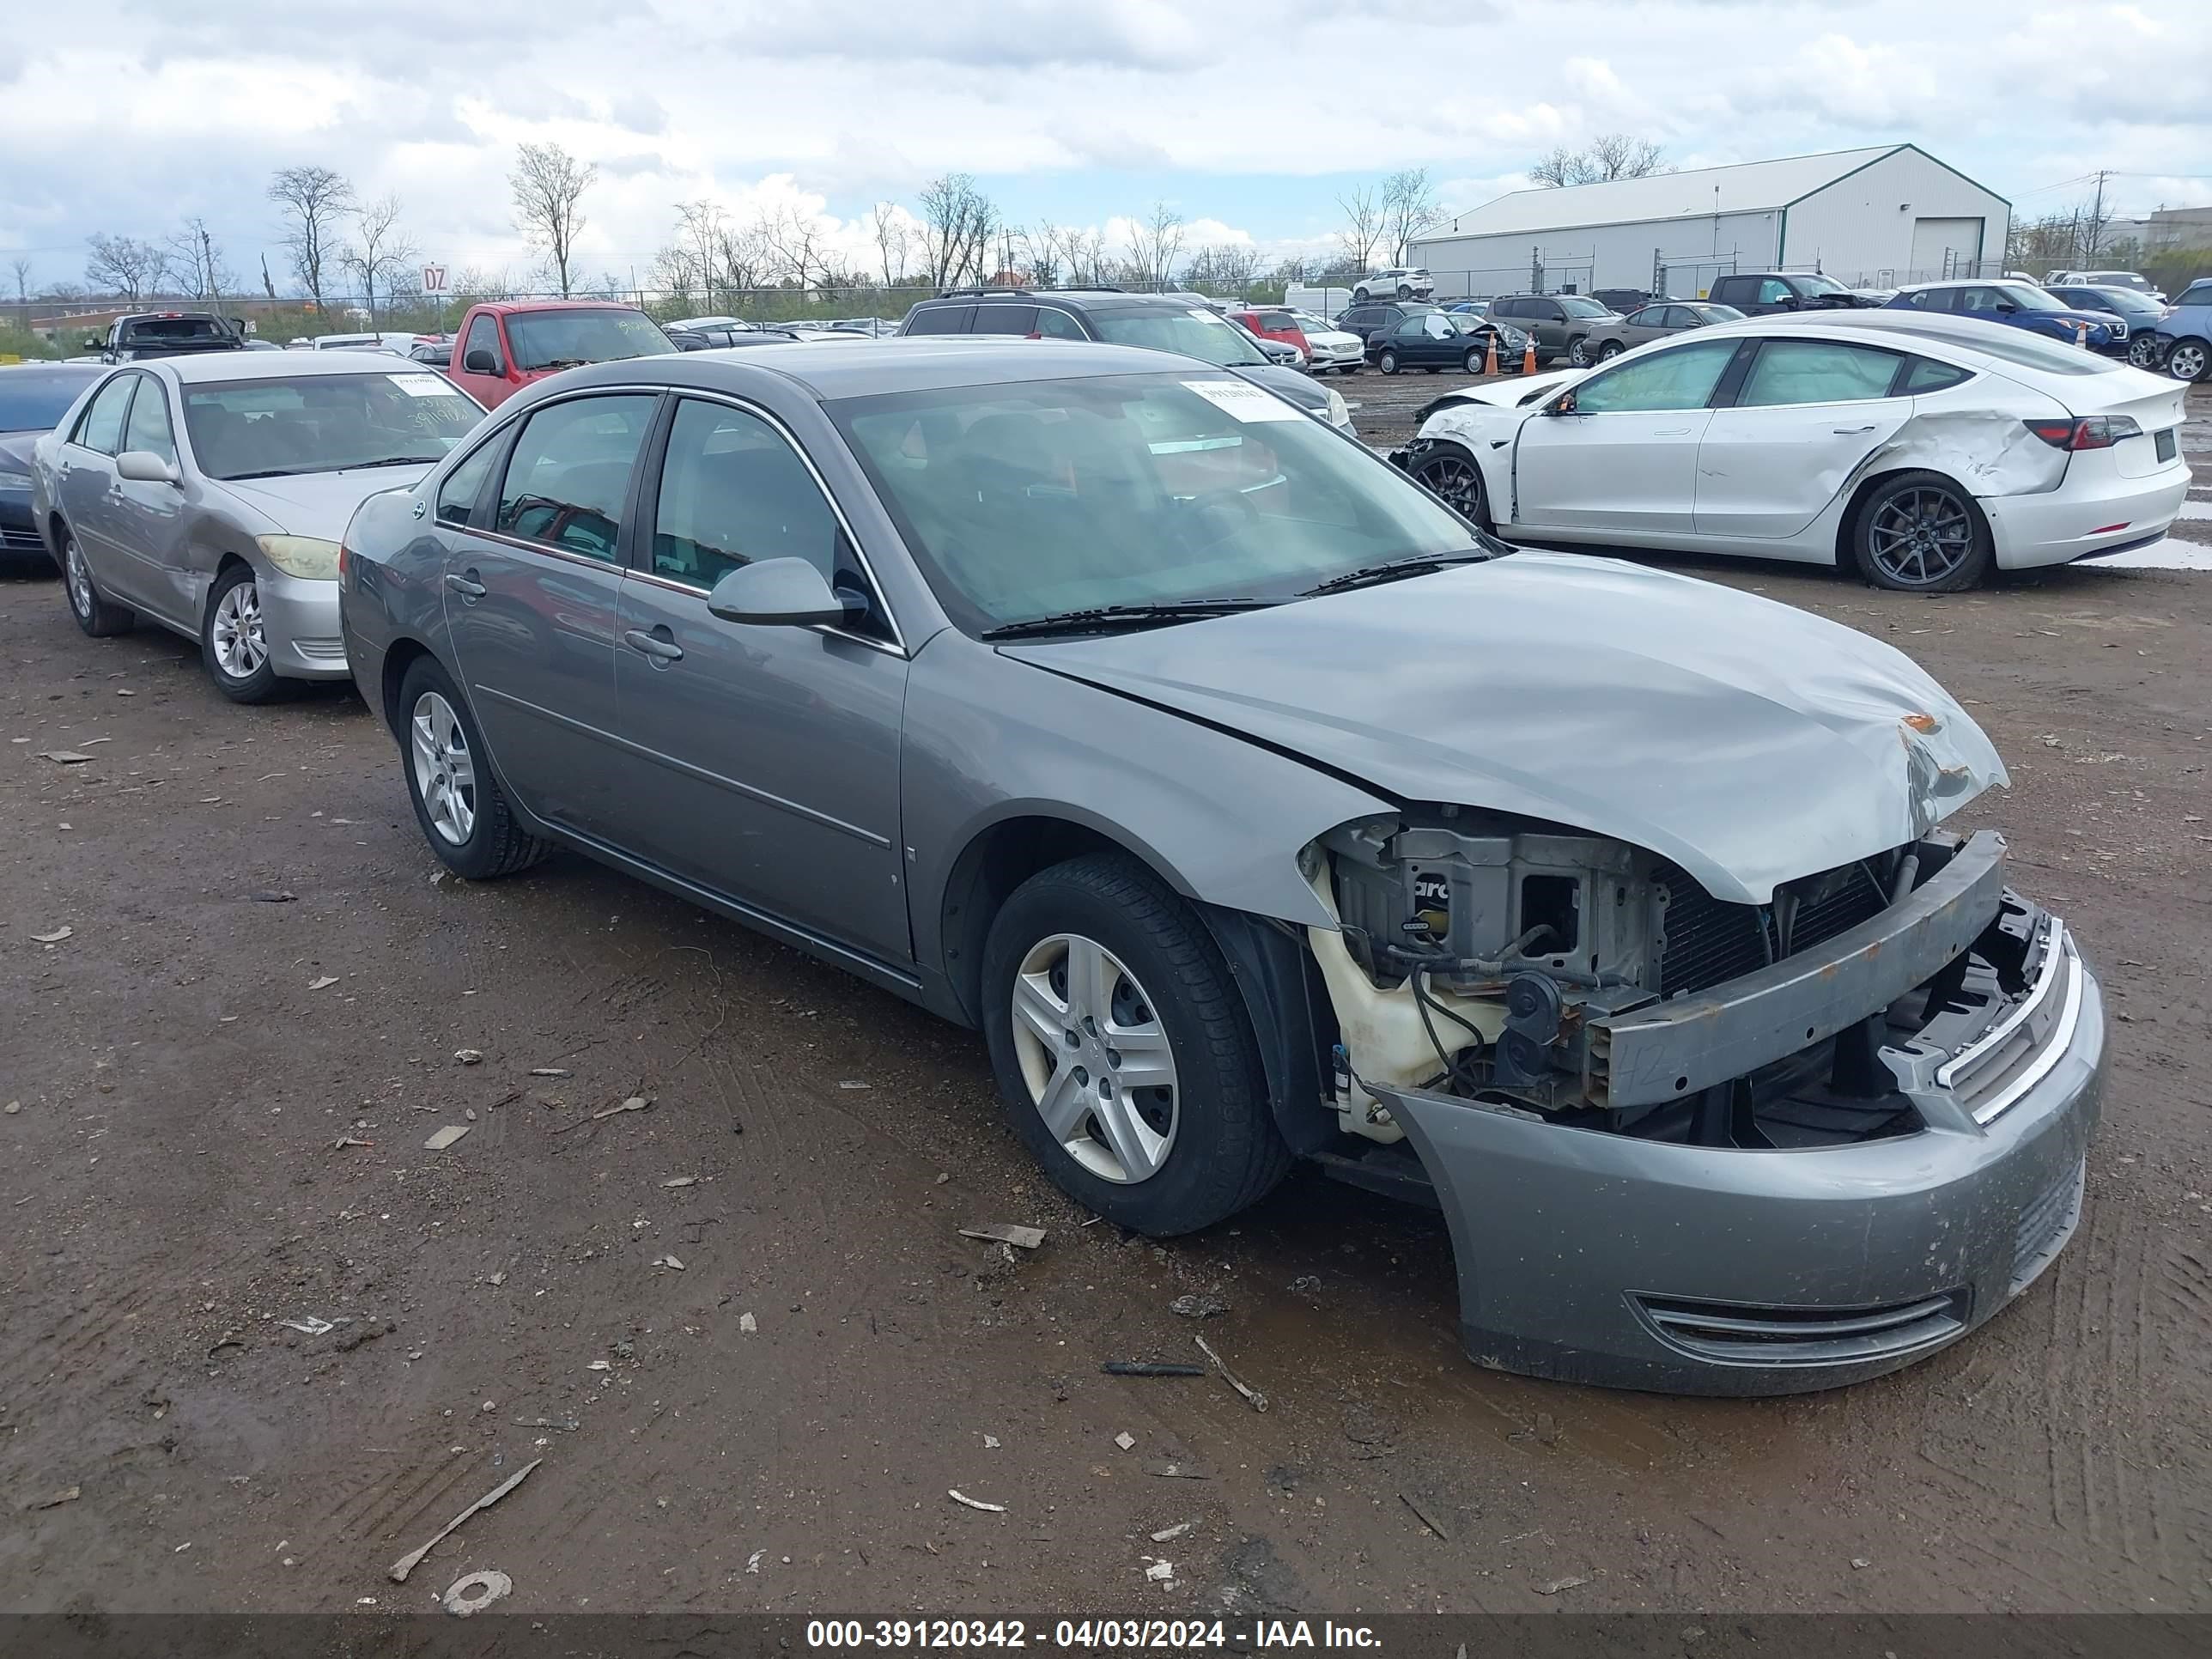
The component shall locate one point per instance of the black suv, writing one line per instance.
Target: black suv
(1159, 321)
(1378, 316)
(1760, 293)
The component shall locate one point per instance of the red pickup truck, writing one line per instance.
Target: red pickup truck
(501, 347)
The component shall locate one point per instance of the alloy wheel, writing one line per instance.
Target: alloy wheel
(1919, 537)
(240, 645)
(2187, 362)
(1578, 354)
(444, 771)
(1455, 479)
(1100, 1070)
(79, 579)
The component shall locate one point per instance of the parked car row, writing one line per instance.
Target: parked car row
(1103, 701)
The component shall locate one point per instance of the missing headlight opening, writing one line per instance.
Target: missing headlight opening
(1593, 984)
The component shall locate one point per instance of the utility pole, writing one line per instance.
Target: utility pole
(2096, 219)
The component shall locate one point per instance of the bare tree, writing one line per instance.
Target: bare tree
(1363, 231)
(196, 261)
(547, 186)
(1409, 207)
(792, 239)
(124, 266)
(1609, 155)
(380, 252)
(1155, 245)
(314, 203)
(1228, 268)
(887, 228)
(957, 221)
(20, 269)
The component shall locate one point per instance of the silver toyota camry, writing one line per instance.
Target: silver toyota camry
(1256, 806)
(208, 495)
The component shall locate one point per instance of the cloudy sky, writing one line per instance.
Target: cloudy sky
(127, 116)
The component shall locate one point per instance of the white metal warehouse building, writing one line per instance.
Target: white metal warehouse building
(1868, 218)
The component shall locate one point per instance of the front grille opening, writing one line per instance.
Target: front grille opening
(1705, 941)
(1747, 1333)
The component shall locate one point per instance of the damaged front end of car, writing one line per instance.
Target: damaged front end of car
(1697, 1144)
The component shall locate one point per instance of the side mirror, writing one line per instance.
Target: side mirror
(93, 343)
(144, 466)
(777, 592)
(481, 362)
(1563, 404)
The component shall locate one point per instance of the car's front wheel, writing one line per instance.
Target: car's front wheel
(1919, 534)
(97, 616)
(2142, 351)
(1473, 363)
(1123, 1051)
(2189, 360)
(458, 804)
(1405, 294)
(1450, 471)
(1610, 348)
(235, 639)
(1388, 363)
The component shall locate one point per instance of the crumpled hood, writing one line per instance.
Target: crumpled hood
(1748, 741)
(319, 503)
(15, 450)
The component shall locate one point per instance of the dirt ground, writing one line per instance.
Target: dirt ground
(226, 1071)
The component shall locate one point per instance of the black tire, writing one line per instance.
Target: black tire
(1359, 296)
(1388, 363)
(260, 682)
(495, 844)
(1405, 294)
(1918, 533)
(1473, 362)
(1449, 470)
(1609, 350)
(2189, 360)
(2142, 351)
(97, 616)
(1578, 354)
(1224, 1153)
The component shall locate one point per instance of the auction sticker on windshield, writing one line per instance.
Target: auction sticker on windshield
(1246, 402)
(420, 385)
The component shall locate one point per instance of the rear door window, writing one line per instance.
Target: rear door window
(1056, 324)
(1816, 371)
(569, 474)
(940, 320)
(1005, 319)
(101, 426)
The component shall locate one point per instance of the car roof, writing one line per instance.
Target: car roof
(910, 363)
(507, 306)
(280, 366)
(47, 365)
(1900, 330)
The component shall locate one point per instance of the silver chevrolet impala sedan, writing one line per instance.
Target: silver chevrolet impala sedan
(1255, 806)
(207, 494)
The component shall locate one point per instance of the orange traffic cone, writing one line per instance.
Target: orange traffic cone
(1490, 357)
(1529, 356)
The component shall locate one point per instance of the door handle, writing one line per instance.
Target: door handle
(659, 645)
(1673, 432)
(1852, 431)
(467, 586)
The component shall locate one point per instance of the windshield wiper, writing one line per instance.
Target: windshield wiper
(394, 460)
(1121, 616)
(564, 362)
(1421, 564)
(266, 472)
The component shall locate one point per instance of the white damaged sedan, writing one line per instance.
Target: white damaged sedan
(1923, 451)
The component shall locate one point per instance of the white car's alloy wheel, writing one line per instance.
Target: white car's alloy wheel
(1095, 1058)
(444, 771)
(240, 645)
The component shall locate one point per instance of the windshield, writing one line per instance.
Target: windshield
(31, 400)
(1194, 333)
(325, 422)
(1028, 500)
(2031, 299)
(1716, 313)
(1309, 324)
(1579, 305)
(559, 339)
(2127, 300)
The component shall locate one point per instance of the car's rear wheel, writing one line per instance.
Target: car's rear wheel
(2189, 360)
(1578, 354)
(1122, 1049)
(234, 640)
(1405, 293)
(1388, 363)
(97, 616)
(458, 804)
(1919, 534)
(1451, 472)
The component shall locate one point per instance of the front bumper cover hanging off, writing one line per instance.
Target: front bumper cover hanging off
(1599, 1257)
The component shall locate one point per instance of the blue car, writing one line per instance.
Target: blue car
(2188, 325)
(2015, 305)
